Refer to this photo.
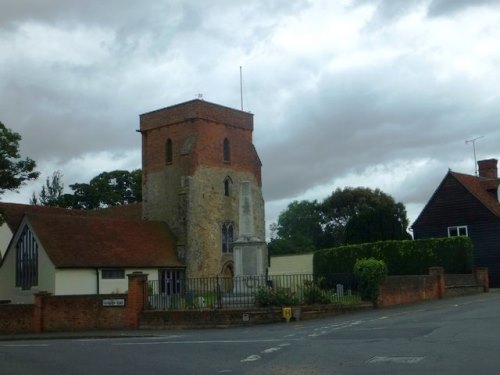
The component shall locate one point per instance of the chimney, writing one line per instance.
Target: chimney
(488, 168)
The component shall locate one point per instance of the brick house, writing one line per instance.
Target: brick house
(195, 156)
(466, 205)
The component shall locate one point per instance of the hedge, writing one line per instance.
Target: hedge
(407, 257)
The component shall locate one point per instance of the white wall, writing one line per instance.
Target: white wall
(291, 264)
(84, 281)
(8, 289)
(5, 236)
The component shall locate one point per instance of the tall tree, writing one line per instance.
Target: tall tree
(51, 193)
(298, 229)
(355, 215)
(14, 171)
(108, 189)
(350, 215)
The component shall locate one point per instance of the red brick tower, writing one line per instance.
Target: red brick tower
(194, 157)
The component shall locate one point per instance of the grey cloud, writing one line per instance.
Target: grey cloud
(373, 117)
(444, 7)
(392, 10)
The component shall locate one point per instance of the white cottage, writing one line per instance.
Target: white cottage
(66, 252)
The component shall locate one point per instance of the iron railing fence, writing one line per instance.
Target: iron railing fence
(249, 291)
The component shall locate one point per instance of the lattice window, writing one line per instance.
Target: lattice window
(227, 237)
(26, 260)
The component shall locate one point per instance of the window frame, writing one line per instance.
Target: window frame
(226, 150)
(227, 232)
(168, 151)
(227, 186)
(458, 229)
(112, 273)
(26, 260)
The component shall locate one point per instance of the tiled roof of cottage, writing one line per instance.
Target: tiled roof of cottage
(13, 213)
(480, 187)
(84, 242)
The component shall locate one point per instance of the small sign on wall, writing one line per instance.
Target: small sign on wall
(113, 302)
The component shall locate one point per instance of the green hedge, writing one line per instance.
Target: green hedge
(401, 257)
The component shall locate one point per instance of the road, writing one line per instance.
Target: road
(453, 336)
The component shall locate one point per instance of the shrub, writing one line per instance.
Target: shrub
(274, 297)
(370, 273)
(401, 257)
(314, 294)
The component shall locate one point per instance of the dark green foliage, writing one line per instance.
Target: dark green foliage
(348, 216)
(275, 297)
(359, 215)
(370, 274)
(51, 193)
(298, 229)
(401, 257)
(107, 189)
(314, 294)
(14, 171)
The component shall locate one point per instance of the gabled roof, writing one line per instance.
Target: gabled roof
(479, 186)
(13, 213)
(94, 242)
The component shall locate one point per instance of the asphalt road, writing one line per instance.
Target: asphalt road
(453, 336)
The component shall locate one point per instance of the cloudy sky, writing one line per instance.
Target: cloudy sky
(376, 93)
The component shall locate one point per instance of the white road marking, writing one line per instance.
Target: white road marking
(404, 360)
(270, 350)
(24, 345)
(198, 342)
(251, 358)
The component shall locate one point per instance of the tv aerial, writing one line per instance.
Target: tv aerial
(473, 141)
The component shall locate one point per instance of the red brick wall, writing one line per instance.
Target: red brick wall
(212, 124)
(398, 290)
(78, 313)
(16, 318)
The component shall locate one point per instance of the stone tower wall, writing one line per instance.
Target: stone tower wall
(188, 193)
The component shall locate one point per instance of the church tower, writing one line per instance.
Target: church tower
(195, 157)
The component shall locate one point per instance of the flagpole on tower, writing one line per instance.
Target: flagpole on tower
(241, 87)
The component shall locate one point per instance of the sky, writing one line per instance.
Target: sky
(375, 93)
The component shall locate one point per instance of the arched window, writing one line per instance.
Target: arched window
(226, 150)
(227, 186)
(168, 151)
(227, 237)
(26, 261)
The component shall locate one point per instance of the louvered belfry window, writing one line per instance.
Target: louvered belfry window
(26, 260)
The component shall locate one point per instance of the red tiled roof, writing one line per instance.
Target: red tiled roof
(479, 186)
(83, 241)
(13, 213)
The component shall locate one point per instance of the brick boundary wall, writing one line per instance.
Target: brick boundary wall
(397, 290)
(77, 312)
(240, 317)
(72, 313)
(16, 318)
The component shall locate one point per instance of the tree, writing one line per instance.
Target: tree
(14, 171)
(298, 229)
(107, 189)
(348, 216)
(356, 215)
(51, 193)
